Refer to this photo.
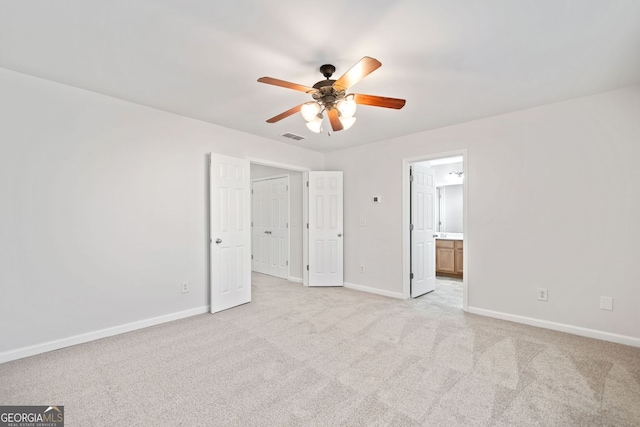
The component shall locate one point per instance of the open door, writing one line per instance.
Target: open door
(423, 254)
(325, 229)
(230, 232)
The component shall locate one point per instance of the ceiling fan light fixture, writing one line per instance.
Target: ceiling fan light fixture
(347, 107)
(310, 110)
(347, 122)
(331, 96)
(315, 125)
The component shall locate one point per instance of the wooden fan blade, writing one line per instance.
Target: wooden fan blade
(285, 114)
(336, 124)
(288, 85)
(362, 69)
(379, 101)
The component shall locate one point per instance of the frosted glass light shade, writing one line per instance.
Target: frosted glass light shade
(347, 107)
(315, 125)
(348, 122)
(309, 110)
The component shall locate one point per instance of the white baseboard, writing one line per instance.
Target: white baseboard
(294, 279)
(373, 290)
(576, 330)
(19, 353)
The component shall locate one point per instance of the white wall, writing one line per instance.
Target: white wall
(295, 222)
(103, 209)
(567, 170)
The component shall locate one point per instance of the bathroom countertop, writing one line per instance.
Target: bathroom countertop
(450, 236)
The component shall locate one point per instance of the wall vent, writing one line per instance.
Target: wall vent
(292, 136)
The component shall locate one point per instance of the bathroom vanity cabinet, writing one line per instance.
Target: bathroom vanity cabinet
(449, 258)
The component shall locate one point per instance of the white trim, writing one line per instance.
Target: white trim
(276, 164)
(546, 324)
(268, 178)
(295, 279)
(406, 250)
(362, 288)
(19, 353)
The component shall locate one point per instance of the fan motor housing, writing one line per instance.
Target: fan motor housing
(328, 94)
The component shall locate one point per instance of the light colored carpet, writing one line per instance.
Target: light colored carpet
(332, 356)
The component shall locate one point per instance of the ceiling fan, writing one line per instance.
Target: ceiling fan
(331, 96)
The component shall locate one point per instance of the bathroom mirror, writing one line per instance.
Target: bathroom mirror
(449, 208)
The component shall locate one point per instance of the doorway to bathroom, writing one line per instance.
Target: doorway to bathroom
(435, 219)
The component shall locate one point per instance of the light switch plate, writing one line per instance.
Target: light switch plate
(606, 303)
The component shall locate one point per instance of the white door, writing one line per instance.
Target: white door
(230, 232)
(279, 227)
(260, 242)
(270, 228)
(423, 251)
(325, 229)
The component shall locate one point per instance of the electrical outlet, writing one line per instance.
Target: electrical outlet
(362, 269)
(184, 287)
(363, 222)
(606, 303)
(542, 294)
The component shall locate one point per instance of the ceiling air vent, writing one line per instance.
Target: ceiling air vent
(292, 136)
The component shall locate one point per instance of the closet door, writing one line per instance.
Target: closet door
(270, 231)
(278, 230)
(260, 237)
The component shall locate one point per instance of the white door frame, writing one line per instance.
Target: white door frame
(268, 178)
(305, 207)
(406, 241)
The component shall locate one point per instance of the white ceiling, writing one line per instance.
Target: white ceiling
(452, 60)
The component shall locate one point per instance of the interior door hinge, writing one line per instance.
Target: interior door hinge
(307, 183)
(411, 276)
(307, 226)
(252, 223)
(287, 225)
(287, 188)
(251, 191)
(251, 256)
(411, 227)
(307, 267)
(287, 263)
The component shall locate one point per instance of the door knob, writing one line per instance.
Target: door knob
(339, 234)
(218, 241)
